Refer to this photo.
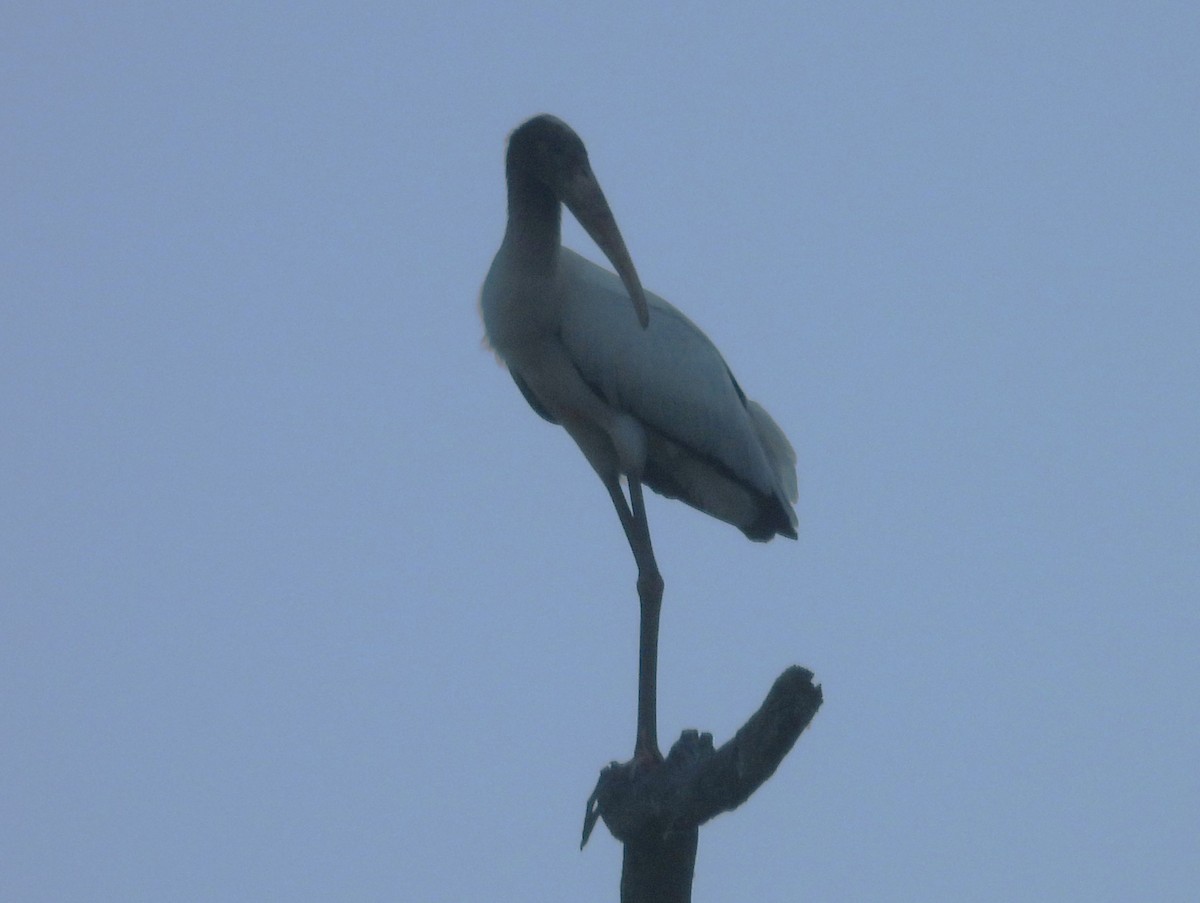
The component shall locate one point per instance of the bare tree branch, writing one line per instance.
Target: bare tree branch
(656, 811)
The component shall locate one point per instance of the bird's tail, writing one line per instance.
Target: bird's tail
(779, 451)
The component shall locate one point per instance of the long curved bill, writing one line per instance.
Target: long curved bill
(586, 201)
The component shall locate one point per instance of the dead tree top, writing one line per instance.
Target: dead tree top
(656, 811)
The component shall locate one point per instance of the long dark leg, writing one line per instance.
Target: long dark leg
(650, 590)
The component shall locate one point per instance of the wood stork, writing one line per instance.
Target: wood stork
(645, 394)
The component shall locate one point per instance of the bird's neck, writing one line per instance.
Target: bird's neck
(534, 230)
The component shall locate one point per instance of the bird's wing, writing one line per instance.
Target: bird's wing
(668, 376)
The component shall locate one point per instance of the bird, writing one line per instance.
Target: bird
(644, 393)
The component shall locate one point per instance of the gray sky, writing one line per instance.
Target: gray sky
(300, 601)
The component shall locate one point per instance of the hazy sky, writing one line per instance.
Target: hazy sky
(300, 601)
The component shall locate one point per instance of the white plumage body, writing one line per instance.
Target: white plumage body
(658, 402)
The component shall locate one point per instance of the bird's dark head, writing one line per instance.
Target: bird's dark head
(547, 163)
(547, 150)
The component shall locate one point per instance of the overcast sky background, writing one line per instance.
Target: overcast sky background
(301, 601)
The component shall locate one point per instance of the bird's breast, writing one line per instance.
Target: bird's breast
(521, 310)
